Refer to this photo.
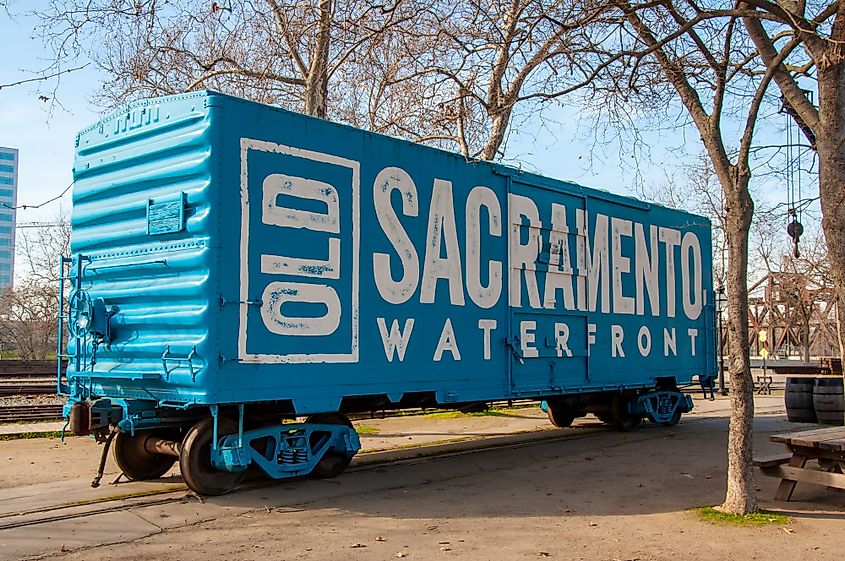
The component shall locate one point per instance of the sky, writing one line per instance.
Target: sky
(43, 132)
(556, 143)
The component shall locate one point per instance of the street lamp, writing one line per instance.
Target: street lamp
(721, 299)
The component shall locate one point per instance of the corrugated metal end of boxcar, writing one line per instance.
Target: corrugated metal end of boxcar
(244, 277)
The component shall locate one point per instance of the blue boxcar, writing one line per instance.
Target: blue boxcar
(238, 263)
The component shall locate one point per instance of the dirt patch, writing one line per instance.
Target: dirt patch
(605, 496)
(42, 460)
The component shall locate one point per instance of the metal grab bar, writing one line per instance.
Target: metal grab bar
(167, 356)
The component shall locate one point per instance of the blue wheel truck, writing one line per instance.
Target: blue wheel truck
(243, 277)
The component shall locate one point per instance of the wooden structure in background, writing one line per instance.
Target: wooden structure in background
(799, 318)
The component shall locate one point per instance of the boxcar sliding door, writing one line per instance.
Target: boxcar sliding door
(547, 280)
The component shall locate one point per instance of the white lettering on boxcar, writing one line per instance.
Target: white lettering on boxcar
(612, 255)
(598, 263)
(671, 238)
(669, 342)
(486, 326)
(621, 265)
(644, 341)
(277, 294)
(599, 270)
(396, 341)
(646, 272)
(482, 296)
(527, 338)
(559, 274)
(562, 340)
(522, 257)
(617, 335)
(389, 180)
(693, 295)
(442, 228)
(447, 342)
(297, 289)
(693, 333)
(273, 213)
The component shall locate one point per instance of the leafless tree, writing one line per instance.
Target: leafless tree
(273, 51)
(449, 74)
(699, 191)
(29, 311)
(52, 73)
(29, 319)
(495, 60)
(41, 248)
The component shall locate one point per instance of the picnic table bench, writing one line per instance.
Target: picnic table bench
(825, 446)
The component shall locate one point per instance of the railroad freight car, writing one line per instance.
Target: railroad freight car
(243, 277)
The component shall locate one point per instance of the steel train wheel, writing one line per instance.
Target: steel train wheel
(623, 420)
(133, 459)
(195, 459)
(559, 416)
(331, 465)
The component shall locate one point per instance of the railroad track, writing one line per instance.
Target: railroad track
(28, 386)
(15, 413)
(27, 377)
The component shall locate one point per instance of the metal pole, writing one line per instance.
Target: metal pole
(722, 390)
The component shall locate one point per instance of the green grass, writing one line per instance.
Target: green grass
(434, 411)
(26, 435)
(761, 518)
(364, 429)
(495, 412)
(445, 415)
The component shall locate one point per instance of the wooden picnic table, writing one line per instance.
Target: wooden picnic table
(826, 447)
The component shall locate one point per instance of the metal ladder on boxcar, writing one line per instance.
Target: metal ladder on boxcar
(71, 311)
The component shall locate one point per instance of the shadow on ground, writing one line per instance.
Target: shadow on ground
(648, 471)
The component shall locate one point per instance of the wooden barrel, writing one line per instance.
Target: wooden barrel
(799, 400)
(828, 401)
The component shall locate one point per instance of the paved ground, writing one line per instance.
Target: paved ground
(593, 495)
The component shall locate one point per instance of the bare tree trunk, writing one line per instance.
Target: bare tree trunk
(317, 81)
(807, 309)
(741, 497)
(501, 120)
(831, 148)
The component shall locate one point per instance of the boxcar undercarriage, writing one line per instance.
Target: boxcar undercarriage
(216, 445)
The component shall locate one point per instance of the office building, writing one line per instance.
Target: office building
(8, 200)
